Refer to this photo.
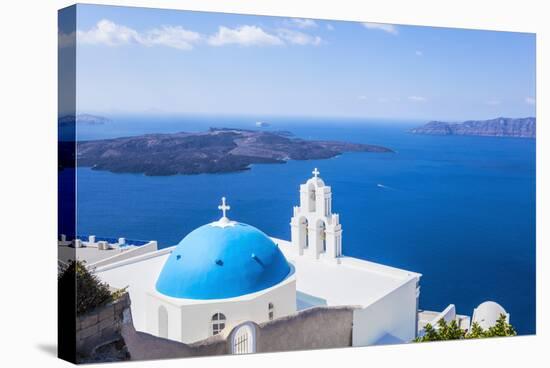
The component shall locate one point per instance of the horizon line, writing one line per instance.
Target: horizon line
(275, 115)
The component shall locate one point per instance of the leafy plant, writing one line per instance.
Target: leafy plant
(476, 332)
(90, 291)
(451, 331)
(501, 328)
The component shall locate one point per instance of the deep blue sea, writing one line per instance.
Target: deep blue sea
(459, 210)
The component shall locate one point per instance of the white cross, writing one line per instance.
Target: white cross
(224, 207)
(315, 172)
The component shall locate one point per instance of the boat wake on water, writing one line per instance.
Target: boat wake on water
(384, 186)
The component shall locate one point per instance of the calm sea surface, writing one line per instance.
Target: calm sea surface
(459, 210)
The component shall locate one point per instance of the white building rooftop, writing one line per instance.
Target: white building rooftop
(90, 255)
(100, 253)
(350, 281)
(322, 282)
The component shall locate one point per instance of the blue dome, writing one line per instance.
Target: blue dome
(214, 262)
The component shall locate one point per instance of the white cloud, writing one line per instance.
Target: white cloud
(170, 36)
(303, 23)
(493, 102)
(244, 36)
(419, 53)
(389, 28)
(362, 98)
(330, 27)
(417, 98)
(298, 38)
(108, 33)
(530, 100)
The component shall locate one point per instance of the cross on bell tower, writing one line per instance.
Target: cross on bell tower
(315, 172)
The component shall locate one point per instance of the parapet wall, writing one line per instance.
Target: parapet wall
(315, 328)
(127, 254)
(144, 346)
(101, 326)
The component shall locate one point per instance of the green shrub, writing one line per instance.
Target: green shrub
(501, 328)
(90, 291)
(451, 331)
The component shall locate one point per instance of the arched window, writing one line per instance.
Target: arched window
(270, 311)
(218, 323)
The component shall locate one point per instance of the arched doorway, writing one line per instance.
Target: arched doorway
(244, 339)
(163, 322)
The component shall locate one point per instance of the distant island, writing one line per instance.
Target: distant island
(87, 119)
(217, 150)
(499, 127)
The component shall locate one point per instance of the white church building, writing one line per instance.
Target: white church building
(226, 273)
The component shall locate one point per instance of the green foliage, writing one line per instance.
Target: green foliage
(451, 331)
(476, 332)
(90, 291)
(501, 328)
(430, 334)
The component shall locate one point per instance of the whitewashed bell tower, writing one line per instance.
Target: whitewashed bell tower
(315, 230)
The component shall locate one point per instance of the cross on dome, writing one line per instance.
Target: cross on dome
(315, 172)
(224, 221)
(224, 208)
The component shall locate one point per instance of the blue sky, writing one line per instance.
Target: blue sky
(136, 60)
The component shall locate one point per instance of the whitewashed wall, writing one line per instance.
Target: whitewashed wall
(392, 319)
(139, 274)
(192, 322)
